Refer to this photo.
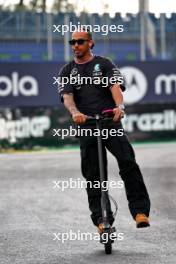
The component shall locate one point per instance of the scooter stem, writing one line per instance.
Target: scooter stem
(104, 192)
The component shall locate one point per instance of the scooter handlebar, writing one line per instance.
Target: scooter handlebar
(107, 114)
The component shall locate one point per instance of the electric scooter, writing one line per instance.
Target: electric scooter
(108, 235)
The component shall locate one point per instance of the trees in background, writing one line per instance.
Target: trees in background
(40, 6)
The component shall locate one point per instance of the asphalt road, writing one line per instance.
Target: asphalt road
(33, 208)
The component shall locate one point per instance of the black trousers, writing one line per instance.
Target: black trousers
(119, 146)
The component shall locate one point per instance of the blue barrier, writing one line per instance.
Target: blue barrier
(31, 84)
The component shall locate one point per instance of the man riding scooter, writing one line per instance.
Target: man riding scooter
(84, 100)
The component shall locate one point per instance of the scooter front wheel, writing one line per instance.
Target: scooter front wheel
(108, 247)
(107, 238)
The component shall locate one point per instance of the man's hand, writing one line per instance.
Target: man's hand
(118, 114)
(79, 118)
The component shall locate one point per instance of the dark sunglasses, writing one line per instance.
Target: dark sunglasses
(78, 41)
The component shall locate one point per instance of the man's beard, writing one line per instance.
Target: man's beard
(80, 55)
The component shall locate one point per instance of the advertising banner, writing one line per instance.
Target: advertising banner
(35, 84)
(32, 127)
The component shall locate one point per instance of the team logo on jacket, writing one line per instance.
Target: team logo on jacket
(97, 67)
(97, 70)
(74, 71)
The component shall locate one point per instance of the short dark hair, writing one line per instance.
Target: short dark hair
(89, 34)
